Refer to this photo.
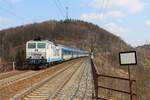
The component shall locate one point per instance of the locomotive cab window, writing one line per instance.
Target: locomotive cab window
(31, 45)
(41, 45)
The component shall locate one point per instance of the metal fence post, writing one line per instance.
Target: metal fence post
(95, 79)
(130, 83)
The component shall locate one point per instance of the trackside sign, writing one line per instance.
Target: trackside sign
(128, 58)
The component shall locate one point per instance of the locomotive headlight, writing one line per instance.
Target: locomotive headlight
(42, 57)
(30, 57)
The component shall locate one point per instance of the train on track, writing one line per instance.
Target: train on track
(45, 52)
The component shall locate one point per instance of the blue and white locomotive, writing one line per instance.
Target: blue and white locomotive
(39, 52)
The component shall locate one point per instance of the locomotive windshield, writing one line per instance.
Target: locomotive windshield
(31, 45)
(41, 45)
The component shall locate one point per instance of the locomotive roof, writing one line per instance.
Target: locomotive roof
(41, 41)
(59, 45)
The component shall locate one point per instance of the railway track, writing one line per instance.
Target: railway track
(54, 96)
(16, 78)
(49, 87)
(64, 94)
(79, 87)
(19, 77)
(10, 74)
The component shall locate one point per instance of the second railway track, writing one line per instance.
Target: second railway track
(19, 77)
(16, 78)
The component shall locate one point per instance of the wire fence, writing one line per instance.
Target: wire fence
(5, 67)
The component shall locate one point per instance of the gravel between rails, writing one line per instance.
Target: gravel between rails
(80, 87)
(11, 73)
(12, 89)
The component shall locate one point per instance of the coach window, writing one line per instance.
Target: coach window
(31, 45)
(41, 45)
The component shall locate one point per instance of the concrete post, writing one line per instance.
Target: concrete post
(13, 65)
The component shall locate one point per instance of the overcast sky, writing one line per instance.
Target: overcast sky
(129, 19)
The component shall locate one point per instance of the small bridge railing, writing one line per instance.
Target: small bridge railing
(96, 76)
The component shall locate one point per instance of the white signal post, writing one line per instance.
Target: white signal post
(128, 58)
(13, 65)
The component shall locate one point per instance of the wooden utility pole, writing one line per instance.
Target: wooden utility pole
(2, 48)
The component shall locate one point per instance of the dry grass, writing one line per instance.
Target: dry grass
(141, 73)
